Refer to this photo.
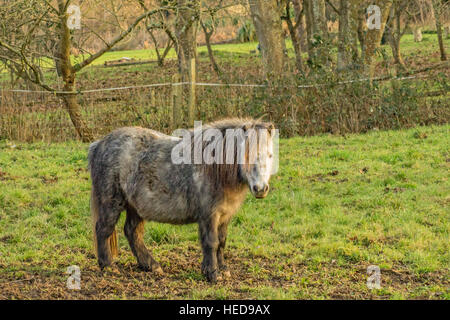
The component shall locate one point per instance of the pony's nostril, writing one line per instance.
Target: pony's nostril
(266, 188)
(255, 189)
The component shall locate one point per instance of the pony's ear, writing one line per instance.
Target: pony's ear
(271, 129)
(247, 126)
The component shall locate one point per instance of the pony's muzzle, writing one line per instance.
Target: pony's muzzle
(260, 191)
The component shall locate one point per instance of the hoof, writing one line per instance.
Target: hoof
(223, 267)
(104, 265)
(107, 269)
(212, 276)
(226, 274)
(154, 267)
(158, 270)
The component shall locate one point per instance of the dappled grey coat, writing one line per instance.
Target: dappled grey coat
(131, 169)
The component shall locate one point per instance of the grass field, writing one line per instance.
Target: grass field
(237, 50)
(336, 206)
(238, 54)
(239, 62)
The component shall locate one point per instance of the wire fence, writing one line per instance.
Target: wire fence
(31, 116)
(345, 106)
(204, 84)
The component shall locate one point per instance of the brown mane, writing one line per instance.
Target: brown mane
(227, 175)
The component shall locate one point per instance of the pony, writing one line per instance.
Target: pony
(133, 169)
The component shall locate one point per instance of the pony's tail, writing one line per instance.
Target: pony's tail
(94, 208)
(113, 244)
(91, 154)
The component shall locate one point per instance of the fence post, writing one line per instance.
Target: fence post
(152, 98)
(192, 94)
(175, 116)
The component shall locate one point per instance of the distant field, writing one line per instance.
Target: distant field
(235, 51)
(337, 205)
(429, 44)
(240, 62)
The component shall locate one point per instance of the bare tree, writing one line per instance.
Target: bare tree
(208, 27)
(187, 17)
(394, 29)
(317, 31)
(159, 22)
(359, 16)
(267, 21)
(295, 28)
(300, 19)
(345, 36)
(39, 22)
(373, 36)
(160, 56)
(209, 21)
(438, 6)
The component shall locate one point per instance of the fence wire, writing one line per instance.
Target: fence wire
(349, 106)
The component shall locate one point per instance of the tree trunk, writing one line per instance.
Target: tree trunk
(300, 23)
(267, 21)
(212, 60)
(318, 10)
(68, 75)
(166, 51)
(186, 35)
(373, 37)
(437, 6)
(396, 54)
(345, 37)
(354, 26)
(317, 31)
(361, 35)
(297, 46)
(156, 44)
(309, 28)
(418, 34)
(394, 34)
(296, 41)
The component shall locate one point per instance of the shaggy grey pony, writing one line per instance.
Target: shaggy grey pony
(132, 170)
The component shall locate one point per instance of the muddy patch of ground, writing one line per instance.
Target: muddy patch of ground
(249, 279)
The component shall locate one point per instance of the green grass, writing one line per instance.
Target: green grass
(337, 205)
(232, 57)
(238, 50)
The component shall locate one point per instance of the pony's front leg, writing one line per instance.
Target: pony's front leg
(222, 234)
(210, 241)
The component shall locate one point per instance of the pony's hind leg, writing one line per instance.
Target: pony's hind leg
(134, 231)
(104, 229)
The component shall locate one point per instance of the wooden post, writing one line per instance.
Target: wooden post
(175, 116)
(152, 98)
(192, 94)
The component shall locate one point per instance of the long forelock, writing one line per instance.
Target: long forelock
(227, 174)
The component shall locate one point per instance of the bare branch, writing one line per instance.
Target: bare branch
(116, 40)
(333, 7)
